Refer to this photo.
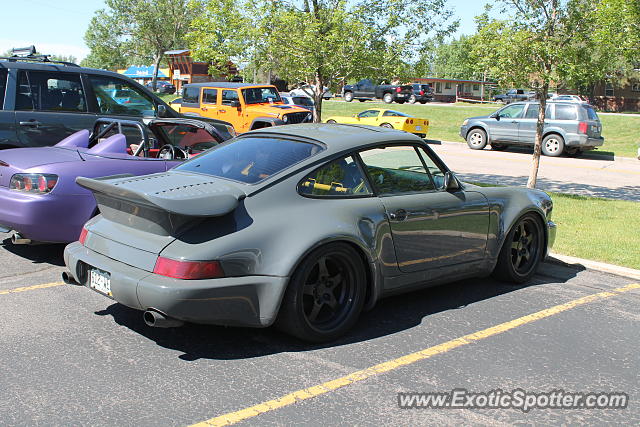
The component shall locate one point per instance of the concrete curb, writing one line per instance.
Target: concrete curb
(594, 265)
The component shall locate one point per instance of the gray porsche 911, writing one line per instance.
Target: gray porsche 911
(303, 226)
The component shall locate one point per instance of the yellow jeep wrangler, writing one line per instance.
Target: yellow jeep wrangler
(245, 106)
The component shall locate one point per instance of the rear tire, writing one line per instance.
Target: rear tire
(348, 96)
(386, 125)
(325, 295)
(362, 100)
(553, 145)
(412, 99)
(499, 147)
(331, 121)
(477, 139)
(521, 251)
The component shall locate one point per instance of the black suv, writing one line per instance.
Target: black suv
(162, 86)
(44, 101)
(422, 93)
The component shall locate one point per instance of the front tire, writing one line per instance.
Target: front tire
(387, 98)
(348, 96)
(325, 295)
(521, 251)
(553, 145)
(477, 139)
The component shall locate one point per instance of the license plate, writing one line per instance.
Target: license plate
(100, 281)
(418, 127)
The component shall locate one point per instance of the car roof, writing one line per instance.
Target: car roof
(227, 85)
(338, 137)
(55, 67)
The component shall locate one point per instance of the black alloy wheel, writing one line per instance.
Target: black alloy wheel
(522, 251)
(325, 296)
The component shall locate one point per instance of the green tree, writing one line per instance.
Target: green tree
(452, 59)
(143, 30)
(539, 43)
(319, 41)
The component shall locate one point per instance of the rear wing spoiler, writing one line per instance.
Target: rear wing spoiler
(162, 203)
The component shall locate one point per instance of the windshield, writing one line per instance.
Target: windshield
(257, 95)
(393, 113)
(189, 137)
(251, 159)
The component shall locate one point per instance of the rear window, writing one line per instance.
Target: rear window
(566, 112)
(251, 159)
(591, 113)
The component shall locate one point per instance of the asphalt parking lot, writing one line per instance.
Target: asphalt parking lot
(73, 357)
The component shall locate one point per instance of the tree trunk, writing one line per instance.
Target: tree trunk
(317, 98)
(154, 81)
(537, 146)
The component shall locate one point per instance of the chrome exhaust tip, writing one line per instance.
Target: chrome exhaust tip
(17, 239)
(156, 319)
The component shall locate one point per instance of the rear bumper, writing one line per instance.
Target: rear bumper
(236, 301)
(45, 218)
(574, 140)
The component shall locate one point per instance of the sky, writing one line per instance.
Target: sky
(57, 27)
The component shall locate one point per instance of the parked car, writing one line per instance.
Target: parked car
(422, 93)
(369, 212)
(387, 119)
(39, 198)
(365, 90)
(570, 128)
(514, 95)
(162, 86)
(302, 101)
(47, 100)
(570, 98)
(306, 90)
(245, 106)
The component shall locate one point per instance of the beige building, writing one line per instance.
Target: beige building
(448, 90)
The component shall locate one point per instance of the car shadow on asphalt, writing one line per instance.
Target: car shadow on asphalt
(391, 315)
(589, 190)
(38, 253)
(595, 155)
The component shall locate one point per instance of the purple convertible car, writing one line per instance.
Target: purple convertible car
(39, 198)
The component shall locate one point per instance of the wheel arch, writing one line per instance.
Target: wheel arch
(555, 131)
(264, 122)
(516, 218)
(373, 282)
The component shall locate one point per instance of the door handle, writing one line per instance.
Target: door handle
(223, 111)
(204, 109)
(30, 123)
(399, 215)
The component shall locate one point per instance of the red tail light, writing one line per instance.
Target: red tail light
(398, 89)
(83, 236)
(421, 92)
(582, 127)
(188, 270)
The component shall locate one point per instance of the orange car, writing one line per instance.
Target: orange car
(245, 106)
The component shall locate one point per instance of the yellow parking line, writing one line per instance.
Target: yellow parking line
(324, 388)
(31, 288)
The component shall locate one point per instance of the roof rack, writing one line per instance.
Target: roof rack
(29, 55)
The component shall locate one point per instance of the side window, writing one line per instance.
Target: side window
(397, 170)
(191, 95)
(45, 91)
(228, 96)
(369, 113)
(116, 96)
(512, 111)
(436, 173)
(341, 177)
(566, 112)
(3, 85)
(532, 111)
(210, 96)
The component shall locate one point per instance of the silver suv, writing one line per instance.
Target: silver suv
(570, 128)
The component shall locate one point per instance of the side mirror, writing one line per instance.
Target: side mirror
(235, 103)
(450, 182)
(497, 116)
(162, 111)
